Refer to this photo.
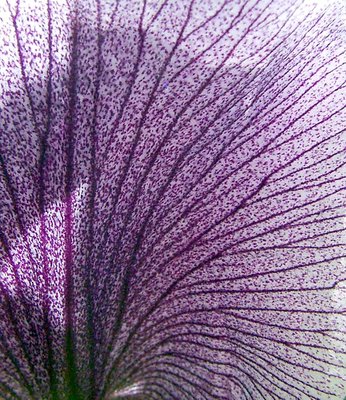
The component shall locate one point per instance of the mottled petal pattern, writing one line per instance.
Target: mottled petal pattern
(172, 179)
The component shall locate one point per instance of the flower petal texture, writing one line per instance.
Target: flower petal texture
(172, 200)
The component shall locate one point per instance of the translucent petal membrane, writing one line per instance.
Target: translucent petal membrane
(172, 180)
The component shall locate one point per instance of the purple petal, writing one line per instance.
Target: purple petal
(172, 195)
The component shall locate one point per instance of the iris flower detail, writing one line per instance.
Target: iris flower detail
(172, 200)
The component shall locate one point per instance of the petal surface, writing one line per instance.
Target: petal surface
(172, 179)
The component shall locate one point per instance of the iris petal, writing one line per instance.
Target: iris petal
(172, 200)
